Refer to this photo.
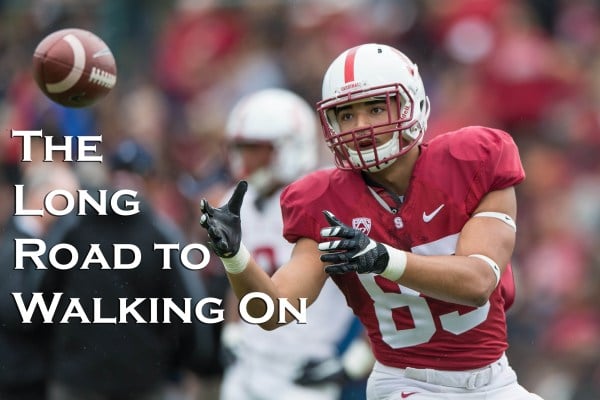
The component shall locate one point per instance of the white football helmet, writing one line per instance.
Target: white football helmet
(367, 72)
(282, 119)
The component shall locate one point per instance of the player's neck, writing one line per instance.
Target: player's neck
(396, 177)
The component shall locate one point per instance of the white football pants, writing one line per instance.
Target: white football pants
(497, 381)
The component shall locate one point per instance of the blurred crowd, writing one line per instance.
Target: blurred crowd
(530, 67)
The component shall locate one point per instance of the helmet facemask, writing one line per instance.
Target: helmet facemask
(402, 120)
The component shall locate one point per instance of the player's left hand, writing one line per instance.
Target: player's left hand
(355, 251)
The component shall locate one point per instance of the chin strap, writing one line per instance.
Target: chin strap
(390, 147)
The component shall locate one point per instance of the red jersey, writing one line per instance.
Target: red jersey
(452, 174)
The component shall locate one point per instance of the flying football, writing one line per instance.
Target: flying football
(74, 67)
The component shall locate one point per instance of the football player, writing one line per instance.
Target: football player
(272, 139)
(417, 235)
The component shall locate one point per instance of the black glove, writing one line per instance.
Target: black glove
(223, 224)
(316, 372)
(354, 252)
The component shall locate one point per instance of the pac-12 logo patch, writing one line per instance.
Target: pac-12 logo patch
(363, 224)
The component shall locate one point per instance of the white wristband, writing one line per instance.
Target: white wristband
(491, 263)
(239, 262)
(396, 264)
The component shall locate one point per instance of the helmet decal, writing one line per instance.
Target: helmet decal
(349, 65)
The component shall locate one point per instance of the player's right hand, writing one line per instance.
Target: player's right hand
(223, 224)
(353, 252)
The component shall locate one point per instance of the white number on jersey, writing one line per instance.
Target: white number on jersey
(423, 318)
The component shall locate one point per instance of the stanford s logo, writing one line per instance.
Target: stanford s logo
(363, 224)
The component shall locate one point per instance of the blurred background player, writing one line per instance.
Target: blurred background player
(272, 137)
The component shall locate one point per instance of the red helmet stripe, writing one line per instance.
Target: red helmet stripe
(349, 65)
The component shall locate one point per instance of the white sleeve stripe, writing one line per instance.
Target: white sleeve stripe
(498, 215)
(491, 263)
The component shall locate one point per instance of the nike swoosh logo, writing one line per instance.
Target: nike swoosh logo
(429, 217)
(405, 395)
